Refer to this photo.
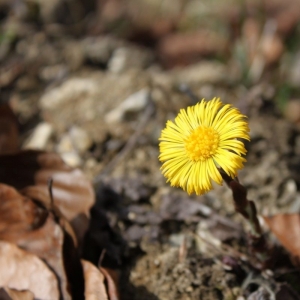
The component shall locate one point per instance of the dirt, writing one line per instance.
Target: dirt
(81, 69)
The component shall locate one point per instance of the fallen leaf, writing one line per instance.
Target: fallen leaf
(8, 130)
(7, 293)
(37, 230)
(94, 282)
(286, 227)
(185, 48)
(30, 171)
(111, 277)
(24, 271)
(18, 214)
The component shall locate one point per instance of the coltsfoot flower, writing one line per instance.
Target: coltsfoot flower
(203, 139)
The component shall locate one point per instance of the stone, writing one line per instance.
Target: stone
(40, 137)
(129, 57)
(72, 159)
(70, 89)
(99, 49)
(80, 139)
(204, 72)
(134, 103)
(292, 110)
(65, 144)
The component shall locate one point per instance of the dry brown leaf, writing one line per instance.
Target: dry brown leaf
(30, 171)
(111, 277)
(94, 282)
(286, 227)
(18, 214)
(185, 48)
(8, 130)
(36, 230)
(7, 293)
(24, 271)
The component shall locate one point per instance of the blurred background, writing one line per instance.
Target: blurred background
(96, 80)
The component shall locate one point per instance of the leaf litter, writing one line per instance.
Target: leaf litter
(158, 243)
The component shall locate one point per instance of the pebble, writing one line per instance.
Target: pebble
(52, 73)
(99, 49)
(292, 110)
(80, 139)
(70, 89)
(125, 58)
(272, 48)
(134, 103)
(67, 151)
(176, 239)
(65, 144)
(72, 159)
(39, 137)
(203, 72)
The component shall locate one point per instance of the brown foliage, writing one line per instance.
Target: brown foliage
(286, 228)
(24, 271)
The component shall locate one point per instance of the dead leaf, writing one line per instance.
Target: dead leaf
(185, 48)
(286, 227)
(24, 271)
(29, 171)
(94, 282)
(7, 293)
(18, 214)
(8, 130)
(37, 230)
(111, 277)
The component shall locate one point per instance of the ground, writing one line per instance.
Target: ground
(96, 81)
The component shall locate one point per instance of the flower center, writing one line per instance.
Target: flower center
(202, 143)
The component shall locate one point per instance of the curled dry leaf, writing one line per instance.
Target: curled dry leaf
(18, 214)
(8, 130)
(7, 293)
(24, 271)
(286, 227)
(30, 171)
(36, 230)
(94, 282)
(111, 277)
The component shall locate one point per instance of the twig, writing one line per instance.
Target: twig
(50, 190)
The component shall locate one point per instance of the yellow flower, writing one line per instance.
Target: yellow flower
(203, 139)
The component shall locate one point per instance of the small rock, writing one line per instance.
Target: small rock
(176, 239)
(52, 73)
(203, 72)
(72, 88)
(65, 144)
(40, 137)
(72, 159)
(288, 193)
(73, 54)
(292, 110)
(91, 163)
(129, 57)
(134, 103)
(99, 50)
(80, 139)
(272, 48)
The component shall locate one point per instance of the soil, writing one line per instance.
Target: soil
(100, 68)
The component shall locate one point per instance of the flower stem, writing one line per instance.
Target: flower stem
(247, 209)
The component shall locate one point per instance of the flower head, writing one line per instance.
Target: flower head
(203, 139)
